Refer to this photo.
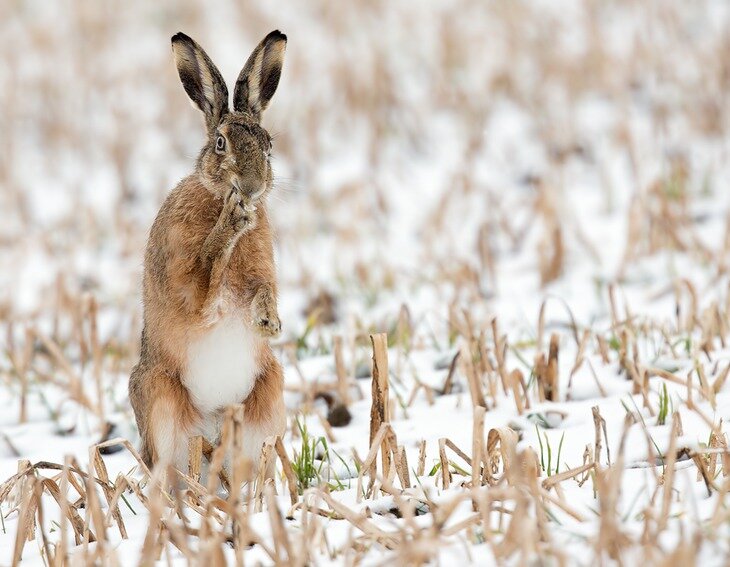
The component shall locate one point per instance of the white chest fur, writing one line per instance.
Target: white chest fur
(222, 364)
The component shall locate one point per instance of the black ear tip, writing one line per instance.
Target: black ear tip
(180, 36)
(276, 35)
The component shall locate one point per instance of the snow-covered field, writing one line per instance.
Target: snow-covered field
(541, 188)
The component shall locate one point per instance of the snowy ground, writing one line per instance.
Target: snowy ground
(561, 168)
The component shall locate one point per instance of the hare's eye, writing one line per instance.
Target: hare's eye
(220, 144)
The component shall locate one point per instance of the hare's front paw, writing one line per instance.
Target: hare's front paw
(238, 213)
(268, 326)
(265, 317)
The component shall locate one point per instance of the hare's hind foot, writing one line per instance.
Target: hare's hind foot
(165, 416)
(264, 413)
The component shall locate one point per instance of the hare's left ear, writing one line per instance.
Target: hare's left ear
(259, 77)
(201, 79)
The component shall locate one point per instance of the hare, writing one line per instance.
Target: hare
(209, 286)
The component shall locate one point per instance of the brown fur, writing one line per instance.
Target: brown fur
(210, 252)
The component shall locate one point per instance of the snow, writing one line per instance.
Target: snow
(407, 141)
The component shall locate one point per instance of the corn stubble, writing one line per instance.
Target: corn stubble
(513, 502)
(516, 500)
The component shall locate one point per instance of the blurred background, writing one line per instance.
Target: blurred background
(440, 154)
(559, 166)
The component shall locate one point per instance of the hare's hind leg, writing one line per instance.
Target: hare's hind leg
(138, 398)
(264, 411)
(165, 416)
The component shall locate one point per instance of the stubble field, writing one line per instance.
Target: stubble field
(515, 215)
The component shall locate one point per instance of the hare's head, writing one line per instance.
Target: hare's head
(238, 148)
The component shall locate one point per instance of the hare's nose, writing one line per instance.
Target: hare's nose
(248, 187)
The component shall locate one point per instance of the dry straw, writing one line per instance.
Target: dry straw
(490, 489)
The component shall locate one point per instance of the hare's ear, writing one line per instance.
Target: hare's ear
(259, 77)
(201, 79)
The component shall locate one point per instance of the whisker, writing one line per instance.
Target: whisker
(289, 186)
(278, 197)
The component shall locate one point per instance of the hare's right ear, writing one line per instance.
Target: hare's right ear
(201, 79)
(260, 75)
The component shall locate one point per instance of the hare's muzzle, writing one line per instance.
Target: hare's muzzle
(248, 187)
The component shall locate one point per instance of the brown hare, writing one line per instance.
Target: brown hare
(209, 285)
